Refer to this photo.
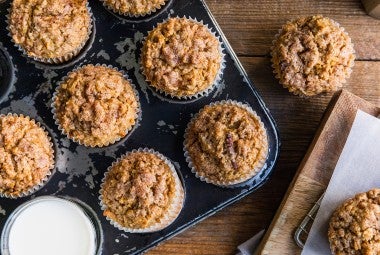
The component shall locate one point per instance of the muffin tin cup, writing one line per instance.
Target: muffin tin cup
(42, 183)
(175, 207)
(295, 91)
(138, 116)
(204, 93)
(226, 184)
(56, 60)
(130, 15)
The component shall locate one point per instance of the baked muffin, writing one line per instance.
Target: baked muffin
(226, 143)
(26, 156)
(134, 8)
(181, 58)
(355, 225)
(312, 55)
(95, 106)
(51, 31)
(141, 192)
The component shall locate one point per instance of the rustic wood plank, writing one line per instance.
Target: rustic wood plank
(297, 119)
(251, 25)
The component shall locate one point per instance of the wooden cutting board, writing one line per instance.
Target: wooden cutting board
(314, 172)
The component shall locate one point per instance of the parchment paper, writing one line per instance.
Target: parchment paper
(357, 170)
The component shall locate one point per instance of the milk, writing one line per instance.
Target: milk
(52, 226)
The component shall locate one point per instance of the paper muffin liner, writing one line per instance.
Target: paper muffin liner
(202, 93)
(288, 87)
(175, 207)
(56, 60)
(138, 116)
(51, 171)
(227, 184)
(130, 15)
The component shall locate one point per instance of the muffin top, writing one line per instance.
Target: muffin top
(312, 55)
(96, 106)
(49, 28)
(134, 7)
(354, 226)
(226, 143)
(181, 57)
(26, 155)
(138, 190)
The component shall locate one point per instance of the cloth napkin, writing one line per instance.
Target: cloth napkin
(249, 247)
(357, 170)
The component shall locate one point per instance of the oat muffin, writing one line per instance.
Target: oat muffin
(355, 225)
(226, 143)
(134, 7)
(312, 55)
(95, 106)
(142, 192)
(26, 156)
(50, 30)
(181, 58)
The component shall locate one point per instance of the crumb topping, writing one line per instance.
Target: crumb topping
(49, 28)
(26, 155)
(355, 225)
(134, 7)
(181, 57)
(226, 143)
(138, 190)
(312, 55)
(96, 105)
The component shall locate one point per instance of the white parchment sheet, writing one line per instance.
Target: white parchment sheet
(357, 170)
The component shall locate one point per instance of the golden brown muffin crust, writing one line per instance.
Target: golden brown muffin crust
(226, 143)
(96, 105)
(355, 225)
(181, 57)
(26, 155)
(134, 7)
(138, 190)
(312, 55)
(49, 28)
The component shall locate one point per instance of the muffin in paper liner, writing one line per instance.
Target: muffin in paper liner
(198, 94)
(228, 146)
(55, 60)
(171, 213)
(112, 5)
(311, 55)
(48, 171)
(137, 117)
(354, 225)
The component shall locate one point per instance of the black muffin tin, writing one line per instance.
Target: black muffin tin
(79, 170)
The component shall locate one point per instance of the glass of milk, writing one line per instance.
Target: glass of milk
(50, 225)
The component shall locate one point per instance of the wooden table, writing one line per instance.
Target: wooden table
(250, 27)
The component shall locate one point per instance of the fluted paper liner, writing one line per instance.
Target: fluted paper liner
(243, 179)
(176, 205)
(138, 115)
(52, 163)
(202, 93)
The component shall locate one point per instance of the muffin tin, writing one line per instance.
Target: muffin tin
(117, 41)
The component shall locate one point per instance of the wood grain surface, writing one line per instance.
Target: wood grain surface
(250, 26)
